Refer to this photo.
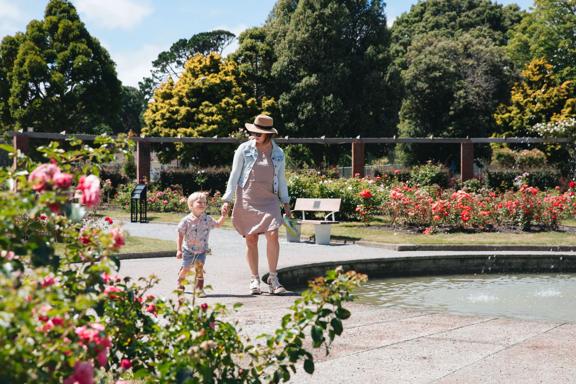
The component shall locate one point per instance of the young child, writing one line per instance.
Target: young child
(192, 242)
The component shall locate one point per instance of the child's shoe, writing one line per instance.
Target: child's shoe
(275, 286)
(255, 285)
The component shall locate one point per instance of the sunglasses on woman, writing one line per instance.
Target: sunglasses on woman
(256, 134)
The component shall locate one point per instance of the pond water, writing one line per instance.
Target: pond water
(523, 296)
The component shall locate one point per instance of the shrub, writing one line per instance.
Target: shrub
(130, 166)
(530, 159)
(473, 185)
(460, 210)
(430, 174)
(503, 180)
(210, 179)
(112, 179)
(524, 160)
(503, 157)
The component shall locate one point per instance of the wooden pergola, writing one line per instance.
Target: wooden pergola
(144, 144)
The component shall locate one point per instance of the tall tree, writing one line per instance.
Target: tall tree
(255, 56)
(330, 69)
(8, 52)
(539, 97)
(548, 32)
(59, 77)
(207, 100)
(453, 17)
(452, 70)
(171, 63)
(132, 109)
(452, 86)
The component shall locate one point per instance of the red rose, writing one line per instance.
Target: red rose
(366, 194)
(125, 364)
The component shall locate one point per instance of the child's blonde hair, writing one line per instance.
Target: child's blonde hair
(196, 196)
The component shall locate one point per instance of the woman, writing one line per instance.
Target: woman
(259, 182)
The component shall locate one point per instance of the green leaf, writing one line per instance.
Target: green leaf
(343, 313)
(7, 148)
(317, 336)
(337, 326)
(309, 366)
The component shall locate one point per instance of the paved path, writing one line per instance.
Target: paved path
(379, 345)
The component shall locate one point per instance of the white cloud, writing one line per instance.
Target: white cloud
(132, 66)
(114, 14)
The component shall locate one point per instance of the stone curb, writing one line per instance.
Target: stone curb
(468, 248)
(428, 265)
(146, 255)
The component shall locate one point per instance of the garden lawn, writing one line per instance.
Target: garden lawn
(358, 231)
(353, 231)
(135, 244)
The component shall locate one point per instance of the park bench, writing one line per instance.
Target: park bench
(322, 227)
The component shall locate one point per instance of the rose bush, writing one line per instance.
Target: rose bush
(486, 210)
(66, 316)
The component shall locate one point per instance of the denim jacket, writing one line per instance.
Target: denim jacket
(244, 159)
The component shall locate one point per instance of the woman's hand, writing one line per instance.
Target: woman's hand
(178, 254)
(287, 211)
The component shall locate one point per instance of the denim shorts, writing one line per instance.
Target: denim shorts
(188, 258)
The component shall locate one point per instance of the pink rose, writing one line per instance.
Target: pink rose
(105, 277)
(83, 374)
(102, 357)
(42, 176)
(8, 255)
(90, 188)
(151, 308)
(111, 290)
(48, 281)
(117, 237)
(63, 180)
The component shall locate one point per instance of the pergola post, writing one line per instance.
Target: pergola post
(466, 161)
(142, 161)
(22, 143)
(358, 158)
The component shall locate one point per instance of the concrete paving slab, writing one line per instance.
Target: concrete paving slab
(545, 358)
(416, 361)
(499, 331)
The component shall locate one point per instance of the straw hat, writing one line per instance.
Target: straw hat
(262, 124)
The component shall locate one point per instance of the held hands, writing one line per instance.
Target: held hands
(287, 211)
(224, 209)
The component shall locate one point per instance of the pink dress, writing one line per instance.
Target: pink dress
(257, 207)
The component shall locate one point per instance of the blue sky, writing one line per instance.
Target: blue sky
(135, 31)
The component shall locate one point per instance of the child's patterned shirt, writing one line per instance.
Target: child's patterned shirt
(196, 231)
